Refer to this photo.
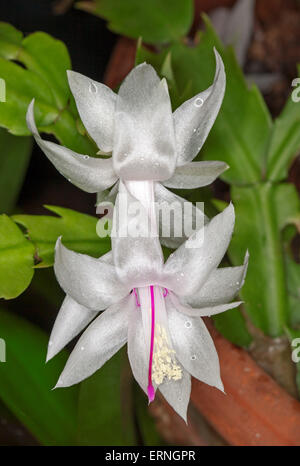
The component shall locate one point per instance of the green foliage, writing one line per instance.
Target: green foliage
(18, 251)
(42, 77)
(26, 383)
(155, 20)
(14, 158)
(285, 141)
(78, 233)
(16, 259)
(103, 418)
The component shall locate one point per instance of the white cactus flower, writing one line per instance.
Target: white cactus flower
(155, 307)
(146, 140)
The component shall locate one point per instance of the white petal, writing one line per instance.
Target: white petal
(195, 175)
(96, 106)
(177, 393)
(221, 286)
(188, 268)
(144, 140)
(138, 348)
(195, 117)
(203, 311)
(71, 320)
(102, 339)
(236, 26)
(87, 173)
(172, 229)
(137, 254)
(91, 282)
(194, 347)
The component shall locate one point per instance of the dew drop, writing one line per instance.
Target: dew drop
(188, 324)
(50, 343)
(86, 157)
(82, 348)
(198, 102)
(93, 88)
(194, 130)
(182, 274)
(237, 283)
(193, 357)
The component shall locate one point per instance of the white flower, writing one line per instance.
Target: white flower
(147, 141)
(155, 307)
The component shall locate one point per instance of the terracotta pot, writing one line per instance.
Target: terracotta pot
(255, 409)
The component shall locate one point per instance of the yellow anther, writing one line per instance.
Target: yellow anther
(165, 365)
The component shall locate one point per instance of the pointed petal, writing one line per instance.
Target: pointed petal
(177, 393)
(71, 320)
(136, 249)
(221, 286)
(144, 141)
(195, 174)
(87, 173)
(195, 117)
(188, 268)
(194, 347)
(137, 348)
(89, 281)
(203, 311)
(172, 230)
(96, 106)
(102, 339)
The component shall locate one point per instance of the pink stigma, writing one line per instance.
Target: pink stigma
(150, 388)
(151, 393)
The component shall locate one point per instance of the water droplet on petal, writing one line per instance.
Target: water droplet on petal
(93, 88)
(182, 274)
(193, 357)
(50, 343)
(237, 283)
(198, 102)
(82, 348)
(86, 157)
(188, 324)
(194, 130)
